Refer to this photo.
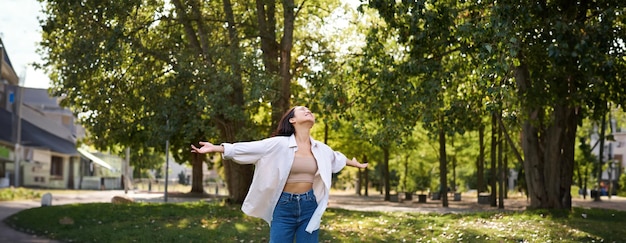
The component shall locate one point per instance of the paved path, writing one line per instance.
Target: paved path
(467, 204)
(337, 200)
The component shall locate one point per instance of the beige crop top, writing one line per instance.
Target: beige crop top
(302, 170)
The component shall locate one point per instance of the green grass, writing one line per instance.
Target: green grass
(218, 222)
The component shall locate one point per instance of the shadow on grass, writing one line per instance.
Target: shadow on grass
(584, 225)
(220, 222)
(140, 222)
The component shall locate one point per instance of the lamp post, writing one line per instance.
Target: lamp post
(125, 170)
(600, 158)
(167, 160)
(18, 135)
(16, 99)
(167, 166)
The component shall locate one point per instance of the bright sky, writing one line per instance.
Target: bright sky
(20, 32)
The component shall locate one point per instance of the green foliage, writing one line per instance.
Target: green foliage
(141, 82)
(585, 161)
(160, 70)
(217, 222)
(529, 61)
(622, 183)
(387, 99)
(20, 193)
(421, 182)
(146, 158)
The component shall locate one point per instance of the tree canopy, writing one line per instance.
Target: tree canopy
(564, 60)
(144, 71)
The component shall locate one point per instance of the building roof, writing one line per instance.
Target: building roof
(44, 111)
(6, 68)
(34, 136)
(38, 97)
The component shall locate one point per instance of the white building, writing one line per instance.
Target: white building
(613, 154)
(44, 136)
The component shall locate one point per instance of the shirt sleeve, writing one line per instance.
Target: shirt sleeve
(339, 162)
(246, 152)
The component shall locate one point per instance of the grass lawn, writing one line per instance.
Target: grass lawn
(218, 222)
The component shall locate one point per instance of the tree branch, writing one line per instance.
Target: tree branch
(510, 141)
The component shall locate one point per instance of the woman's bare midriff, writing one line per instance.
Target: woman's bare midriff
(298, 187)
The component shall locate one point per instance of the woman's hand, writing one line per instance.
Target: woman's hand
(206, 148)
(353, 162)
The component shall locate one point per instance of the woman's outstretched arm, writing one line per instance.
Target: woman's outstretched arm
(353, 162)
(207, 147)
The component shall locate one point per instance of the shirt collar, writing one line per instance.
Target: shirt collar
(292, 141)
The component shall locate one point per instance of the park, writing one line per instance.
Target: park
(479, 121)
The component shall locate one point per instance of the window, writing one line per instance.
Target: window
(56, 166)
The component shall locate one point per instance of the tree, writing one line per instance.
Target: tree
(151, 73)
(434, 56)
(277, 54)
(183, 71)
(564, 67)
(563, 59)
(387, 114)
(278, 40)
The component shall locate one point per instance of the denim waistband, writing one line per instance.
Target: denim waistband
(298, 195)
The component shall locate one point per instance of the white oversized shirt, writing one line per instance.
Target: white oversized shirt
(273, 158)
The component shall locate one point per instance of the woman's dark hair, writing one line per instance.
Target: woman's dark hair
(285, 128)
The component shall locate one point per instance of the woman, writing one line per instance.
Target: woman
(292, 177)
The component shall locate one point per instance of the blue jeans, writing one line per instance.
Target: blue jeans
(291, 216)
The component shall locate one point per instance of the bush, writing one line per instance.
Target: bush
(11, 193)
(622, 185)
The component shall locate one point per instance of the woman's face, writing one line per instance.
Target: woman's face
(302, 114)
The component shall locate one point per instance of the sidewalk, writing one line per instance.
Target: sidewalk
(468, 203)
(337, 200)
(8, 234)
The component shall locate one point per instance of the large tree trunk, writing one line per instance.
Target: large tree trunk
(277, 56)
(570, 118)
(238, 181)
(286, 45)
(549, 159)
(198, 43)
(197, 185)
(548, 149)
(238, 177)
